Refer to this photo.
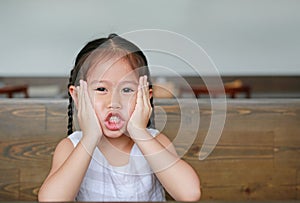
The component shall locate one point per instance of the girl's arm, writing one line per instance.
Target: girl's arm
(177, 177)
(68, 169)
(69, 164)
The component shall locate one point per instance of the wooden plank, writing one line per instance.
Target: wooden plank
(289, 126)
(250, 192)
(256, 144)
(31, 180)
(256, 157)
(233, 152)
(29, 191)
(236, 119)
(298, 184)
(167, 120)
(244, 179)
(27, 152)
(287, 157)
(231, 135)
(287, 138)
(56, 119)
(19, 119)
(9, 184)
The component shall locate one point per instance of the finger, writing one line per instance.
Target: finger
(139, 93)
(144, 88)
(146, 92)
(84, 90)
(83, 93)
(82, 96)
(141, 87)
(79, 98)
(86, 98)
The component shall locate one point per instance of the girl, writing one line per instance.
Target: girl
(117, 155)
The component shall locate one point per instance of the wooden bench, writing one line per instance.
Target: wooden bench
(256, 158)
(232, 89)
(199, 90)
(10, 90)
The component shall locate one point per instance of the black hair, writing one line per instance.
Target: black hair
(112, 44)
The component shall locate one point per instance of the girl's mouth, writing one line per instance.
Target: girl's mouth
(114, 121)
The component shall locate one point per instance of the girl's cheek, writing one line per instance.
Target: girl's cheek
(94, 97)
(131, 103)
(98, 102)
(99, 109)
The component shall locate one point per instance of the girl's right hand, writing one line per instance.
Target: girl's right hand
(87, 117)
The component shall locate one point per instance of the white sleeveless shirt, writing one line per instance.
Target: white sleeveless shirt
(134, 181)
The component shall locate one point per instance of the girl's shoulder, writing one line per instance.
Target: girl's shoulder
(62, 151)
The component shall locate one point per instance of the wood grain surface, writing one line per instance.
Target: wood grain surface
(256, 158)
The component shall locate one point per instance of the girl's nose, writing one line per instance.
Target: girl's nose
(115, 101)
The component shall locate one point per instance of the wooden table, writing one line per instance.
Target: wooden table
(256, 158)
(9, 90)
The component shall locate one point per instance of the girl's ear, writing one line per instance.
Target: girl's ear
(74, 95)
(150, 93)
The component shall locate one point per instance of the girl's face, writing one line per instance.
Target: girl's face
(113, 89)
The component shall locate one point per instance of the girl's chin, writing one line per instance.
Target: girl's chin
(114, 133)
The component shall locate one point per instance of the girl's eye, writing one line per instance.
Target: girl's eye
(127, 90)
(101, 89)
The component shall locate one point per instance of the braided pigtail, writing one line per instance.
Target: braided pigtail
(151, 122)
(70, 107)
(79, 61)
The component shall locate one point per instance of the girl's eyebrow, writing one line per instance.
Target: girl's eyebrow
(109, 82)
(129, 81)
(99, 81)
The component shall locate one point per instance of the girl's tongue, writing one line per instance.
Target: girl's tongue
(114, 122)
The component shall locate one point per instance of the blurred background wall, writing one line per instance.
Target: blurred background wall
(244, 38)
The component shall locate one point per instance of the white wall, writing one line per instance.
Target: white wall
(243, 37)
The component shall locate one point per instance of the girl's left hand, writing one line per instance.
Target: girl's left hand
(142, 112)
